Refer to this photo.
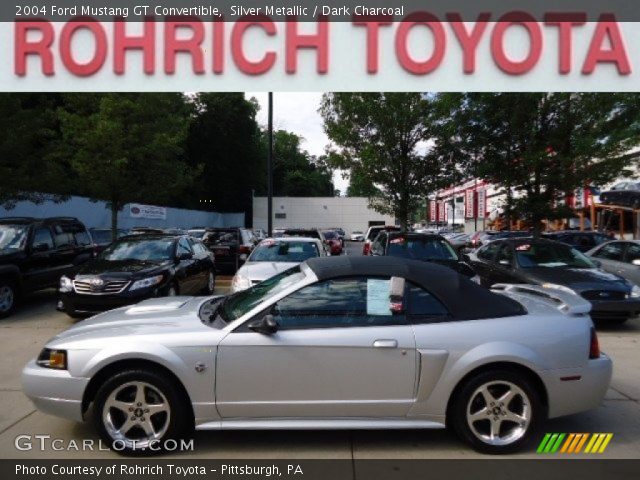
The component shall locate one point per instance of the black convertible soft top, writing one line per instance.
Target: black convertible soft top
(465, 299)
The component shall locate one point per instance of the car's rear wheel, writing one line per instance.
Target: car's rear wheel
(8, 298)
(137, 411)
(497, 412)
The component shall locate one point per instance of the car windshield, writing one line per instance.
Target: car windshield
(12, 237)
(421, 248)
(221, 237)
(281, 251)
(550, 255)
(145, 250)
(242, 302)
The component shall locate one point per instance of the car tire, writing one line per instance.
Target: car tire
(172, 290)
(8, 297)
(482, 417)
(125, 401)
(211, 283)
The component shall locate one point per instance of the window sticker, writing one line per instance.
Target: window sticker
(378, 296)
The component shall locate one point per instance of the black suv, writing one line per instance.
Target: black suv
(35, 253)
(583, 241)
(137, 267)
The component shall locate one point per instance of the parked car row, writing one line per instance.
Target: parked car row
(94, 272)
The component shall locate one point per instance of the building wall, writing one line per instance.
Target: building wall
(96, 215)
(349, 213)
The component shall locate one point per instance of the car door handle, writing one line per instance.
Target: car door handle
(385, 344)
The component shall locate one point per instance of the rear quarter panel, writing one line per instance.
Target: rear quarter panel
(542, 341)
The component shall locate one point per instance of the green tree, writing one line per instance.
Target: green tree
(127, 147)
(29, 142)
(296, 173)
(541, 145)
(381, 139)
(225, 139)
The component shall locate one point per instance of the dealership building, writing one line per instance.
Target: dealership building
(349, 213)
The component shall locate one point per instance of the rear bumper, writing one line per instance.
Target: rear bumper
(54, 392)
(575, 390)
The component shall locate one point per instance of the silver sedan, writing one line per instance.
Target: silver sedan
(334, 343)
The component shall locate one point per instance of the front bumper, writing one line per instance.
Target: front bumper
(78, 303)
(54, 392)
(569, 395)
(614, 309)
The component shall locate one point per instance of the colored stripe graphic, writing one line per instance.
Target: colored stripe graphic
(573, 443)
(550, 443)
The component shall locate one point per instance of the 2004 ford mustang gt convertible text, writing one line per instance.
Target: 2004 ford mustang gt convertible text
(368, 342)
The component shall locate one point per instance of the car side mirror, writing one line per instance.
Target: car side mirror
(184, 256)
(41, 247)
(265, 325)
(598, 263)
(465, 258)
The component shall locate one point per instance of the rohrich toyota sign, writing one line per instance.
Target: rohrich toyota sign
(512, 52)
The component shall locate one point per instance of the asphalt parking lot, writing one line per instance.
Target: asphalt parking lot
(23, 335)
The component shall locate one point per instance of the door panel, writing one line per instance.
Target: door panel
(340, 350)
(331, 372)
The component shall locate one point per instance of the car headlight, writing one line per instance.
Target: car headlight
(66, 285)
(562, 288)
(635, 292)
(240, 282)
(147, 282)
(50, 358)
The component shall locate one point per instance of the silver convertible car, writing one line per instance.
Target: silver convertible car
(334, 343)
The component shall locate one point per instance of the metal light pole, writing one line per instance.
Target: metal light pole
(270, 170)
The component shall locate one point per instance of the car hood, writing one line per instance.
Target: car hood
(165, 317)
(578, 279)
(123, 268)
(260, 271)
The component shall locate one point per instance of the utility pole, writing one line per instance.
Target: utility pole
(270, 170)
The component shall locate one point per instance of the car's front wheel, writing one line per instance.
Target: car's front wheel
(138, 411)
(497, 412)
(7, 298)
(211, 283)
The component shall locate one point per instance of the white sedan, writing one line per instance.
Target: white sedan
(275, 255)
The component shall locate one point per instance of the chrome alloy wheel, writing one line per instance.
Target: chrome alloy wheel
(7, 298)
(136, 414)
(499, 413)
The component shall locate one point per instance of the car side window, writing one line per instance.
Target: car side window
(488, 252)
(199, 248)
(82, 237)
(378, 244)
(611, 251)
(42, 235)
(424, 307)
(63, 236)
(338, 303)
(633, 252)
(183, 247)
(505, 254)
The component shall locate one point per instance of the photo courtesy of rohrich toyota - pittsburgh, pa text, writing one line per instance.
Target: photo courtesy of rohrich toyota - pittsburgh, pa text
(333, 239)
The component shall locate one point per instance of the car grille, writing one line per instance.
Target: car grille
(604, 295)
(86, 287)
